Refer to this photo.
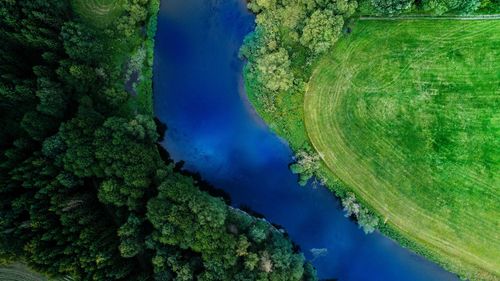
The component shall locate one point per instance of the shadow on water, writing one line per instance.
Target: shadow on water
(199, 94)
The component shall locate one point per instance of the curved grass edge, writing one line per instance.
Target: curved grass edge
(99, 13)
(465, 268)
(391, 230)
(340, 189)
(21, 272)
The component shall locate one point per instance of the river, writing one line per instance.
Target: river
(199, 94)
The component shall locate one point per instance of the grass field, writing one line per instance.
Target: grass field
(407, 115)
(19, 272)
(98, 12)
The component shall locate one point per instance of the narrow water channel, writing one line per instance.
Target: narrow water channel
(199, 94)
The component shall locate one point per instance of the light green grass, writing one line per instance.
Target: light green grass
(99, 13)
(407, 115)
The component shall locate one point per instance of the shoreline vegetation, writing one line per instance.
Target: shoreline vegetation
(85, 190)
(438, 202)
(281, 59)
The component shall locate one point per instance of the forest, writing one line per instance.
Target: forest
(435, 175)
(85, 190)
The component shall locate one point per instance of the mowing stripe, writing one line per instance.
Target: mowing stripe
(468, 243)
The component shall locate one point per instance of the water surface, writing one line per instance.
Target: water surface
(199, 95)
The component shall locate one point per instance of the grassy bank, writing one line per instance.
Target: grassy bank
(85, 191)
(403, 114)
(145, 85)
(135, 53)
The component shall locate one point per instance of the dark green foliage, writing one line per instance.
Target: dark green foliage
(129, 173)
(228, 243)
(131, 236)
(490, 6)
(83, 190)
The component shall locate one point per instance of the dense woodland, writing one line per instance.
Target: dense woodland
(84, 191)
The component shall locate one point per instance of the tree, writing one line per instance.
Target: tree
(346, 8)
(52, 99)
(321, 31)
(274, 71)
(131, 236)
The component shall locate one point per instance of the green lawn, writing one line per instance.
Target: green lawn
(99, 12)
(407, 115)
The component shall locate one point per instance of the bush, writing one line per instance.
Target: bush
(365, 218)
(306, 166)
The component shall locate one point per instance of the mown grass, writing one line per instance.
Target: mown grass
(407, 115)
(19, 272)
(99, 13)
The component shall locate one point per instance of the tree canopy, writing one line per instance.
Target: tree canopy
(321, 30)
(84, 191)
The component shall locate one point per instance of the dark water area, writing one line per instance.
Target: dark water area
(199, 94)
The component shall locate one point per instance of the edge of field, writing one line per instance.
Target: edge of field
(451, 263)
(339, 188)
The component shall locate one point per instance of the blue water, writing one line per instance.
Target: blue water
(200, 96)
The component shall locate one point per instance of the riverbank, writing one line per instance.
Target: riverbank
(140, 63)
(215, 131)
(286, 119)
(145, 86)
